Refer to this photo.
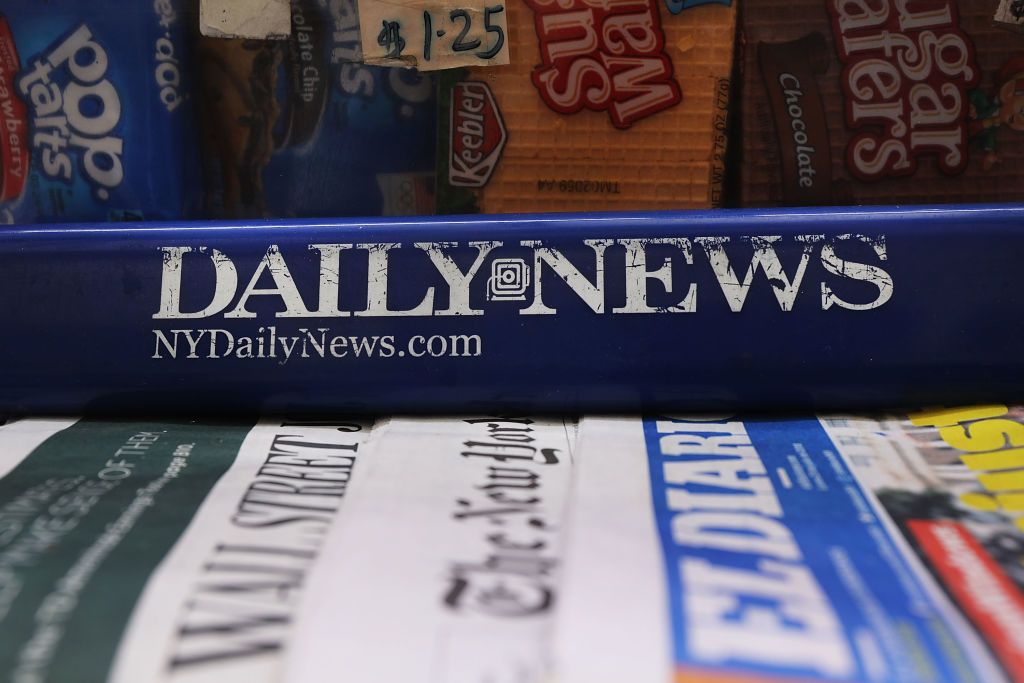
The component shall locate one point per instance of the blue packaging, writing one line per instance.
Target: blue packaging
(300, 128)
(96, 112)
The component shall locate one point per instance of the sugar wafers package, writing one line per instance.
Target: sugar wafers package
(882, 102)
(619, 104)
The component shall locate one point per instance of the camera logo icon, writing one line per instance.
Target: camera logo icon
(509, 280)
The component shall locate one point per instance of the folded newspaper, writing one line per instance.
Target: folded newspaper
(444, 566)
(512, 548)
(842, 549)
(162, 551)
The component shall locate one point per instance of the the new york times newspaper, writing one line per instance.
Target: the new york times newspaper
(162, 551)
(843, 549)
(444, 567)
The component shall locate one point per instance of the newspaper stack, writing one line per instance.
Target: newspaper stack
(514, 549)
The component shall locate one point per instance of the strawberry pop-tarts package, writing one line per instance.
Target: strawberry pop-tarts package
(95, 111)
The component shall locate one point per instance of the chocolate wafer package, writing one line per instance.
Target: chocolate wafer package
(607, 104)
(300, 128)
(95, 111)
(881, 101)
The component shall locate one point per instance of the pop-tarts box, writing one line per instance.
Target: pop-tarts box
(301, 128)
(95, 111)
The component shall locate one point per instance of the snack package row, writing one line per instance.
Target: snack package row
(122, 111)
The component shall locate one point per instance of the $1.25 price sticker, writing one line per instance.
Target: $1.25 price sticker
(431, 35)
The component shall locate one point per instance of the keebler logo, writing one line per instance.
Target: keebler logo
(13, 121)
(477, 135)
(604, 56)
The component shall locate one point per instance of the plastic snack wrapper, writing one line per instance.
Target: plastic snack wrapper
(881, 103)
(96, 112)
(301, 128)
(606, 105)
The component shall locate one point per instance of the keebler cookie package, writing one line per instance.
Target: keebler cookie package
(607, 104)
(299, 127)
(881, 101)
(95, 111)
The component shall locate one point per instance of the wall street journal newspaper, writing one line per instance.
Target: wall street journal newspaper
(845, 549)
(139, 551)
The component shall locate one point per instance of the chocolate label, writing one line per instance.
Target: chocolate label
(308, 77)
(789, 71)
(603, 56)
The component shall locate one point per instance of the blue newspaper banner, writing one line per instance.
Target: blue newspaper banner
(635, 312)
(778, 562)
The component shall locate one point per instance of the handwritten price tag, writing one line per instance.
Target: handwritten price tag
(430, 35)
